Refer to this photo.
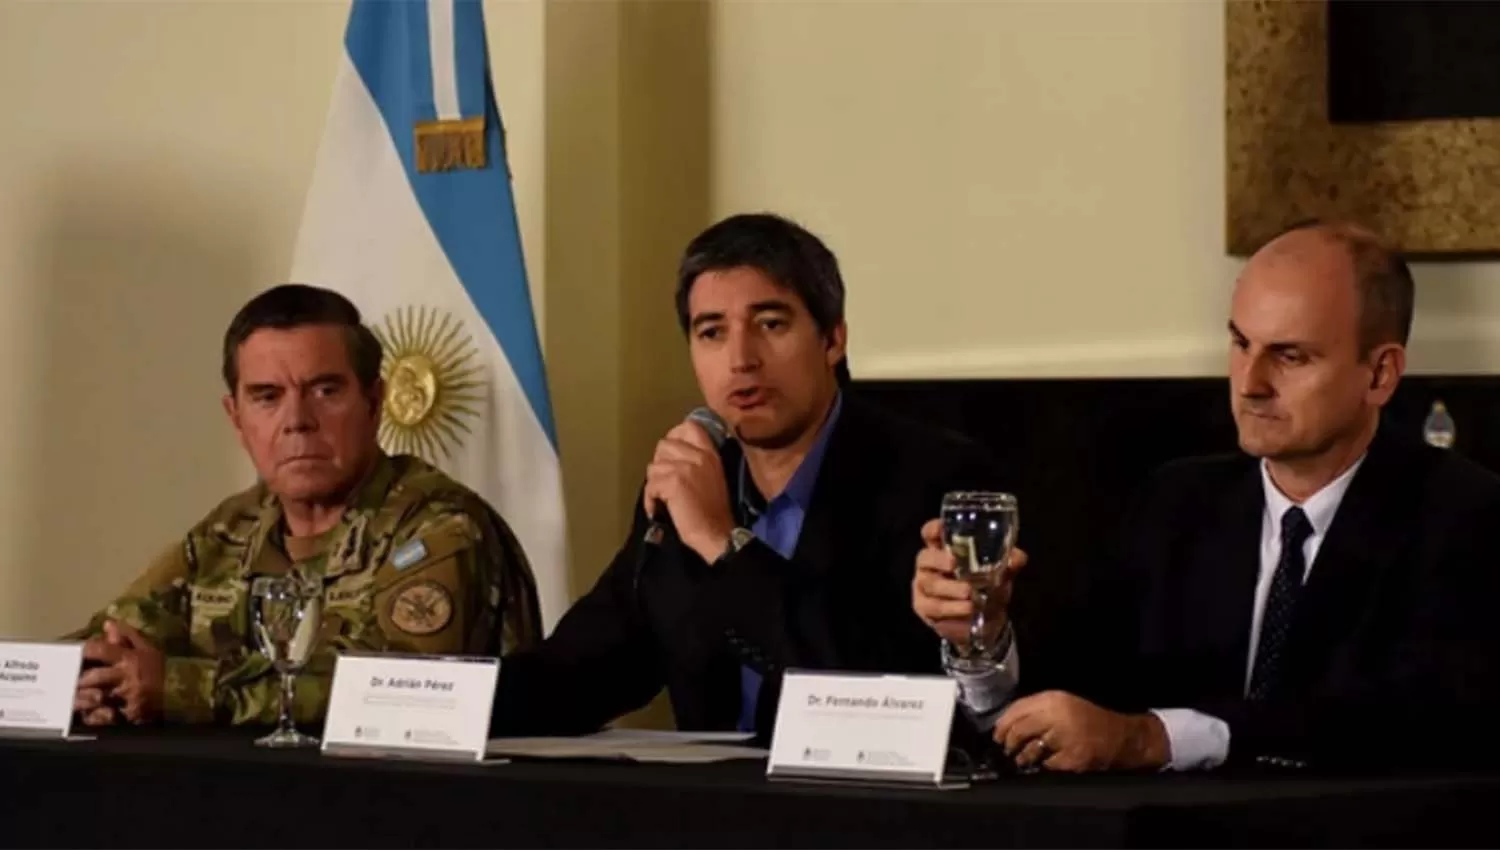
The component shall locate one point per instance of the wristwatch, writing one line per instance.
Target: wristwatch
(1002, 649)
(739, 538)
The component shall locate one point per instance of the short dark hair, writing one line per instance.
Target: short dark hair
(295, 305)
(1387, 291)
(779, 248)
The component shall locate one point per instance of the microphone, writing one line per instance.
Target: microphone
(717, 428)
(718, 431)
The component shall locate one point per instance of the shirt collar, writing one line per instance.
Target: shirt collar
(1320, 507)
(799, 489)
(366, 499)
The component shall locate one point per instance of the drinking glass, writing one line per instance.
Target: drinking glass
(286, 613)
(979, 528)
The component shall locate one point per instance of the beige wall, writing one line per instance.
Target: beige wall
(616, 217)
(1015, 188)
(154, 158)
(154, 161)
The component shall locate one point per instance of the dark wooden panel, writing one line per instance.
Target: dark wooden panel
(1076, 450)
(1398, 60)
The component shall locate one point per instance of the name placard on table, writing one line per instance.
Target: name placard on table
(410, 706)
(37, 683)
(858, 726)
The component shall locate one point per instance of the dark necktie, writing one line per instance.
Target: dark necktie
(1281, 603)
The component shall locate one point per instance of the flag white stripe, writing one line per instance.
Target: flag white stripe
(444, 59)
(364, 234)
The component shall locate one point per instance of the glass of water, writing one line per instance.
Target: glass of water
(286, 613)
(980, 530)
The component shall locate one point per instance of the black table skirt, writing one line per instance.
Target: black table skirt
(214, 789)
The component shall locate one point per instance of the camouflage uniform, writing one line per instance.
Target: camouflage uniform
(417, 564)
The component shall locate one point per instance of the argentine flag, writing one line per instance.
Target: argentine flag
(411, 216)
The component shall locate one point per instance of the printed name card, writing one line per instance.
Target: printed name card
(37, 683)
(860, 726)
(410, 706)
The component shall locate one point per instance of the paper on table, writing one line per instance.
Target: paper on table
(667, 736)
(634, 745)
(692, 753)
(572, 748)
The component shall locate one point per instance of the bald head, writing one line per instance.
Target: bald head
(1318, 326)
(1347, 255)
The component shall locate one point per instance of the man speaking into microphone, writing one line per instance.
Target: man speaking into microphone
(775, 529)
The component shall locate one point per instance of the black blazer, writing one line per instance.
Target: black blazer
(1393, 657)
(661, 617)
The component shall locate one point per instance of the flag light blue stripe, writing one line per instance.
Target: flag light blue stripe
(472, 212)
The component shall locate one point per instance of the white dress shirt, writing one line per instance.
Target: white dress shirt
(1196, 740)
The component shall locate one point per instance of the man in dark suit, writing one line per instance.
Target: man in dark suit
(790, 547)
(1325, 597)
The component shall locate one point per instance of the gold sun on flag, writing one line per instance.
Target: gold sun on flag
(433, 384)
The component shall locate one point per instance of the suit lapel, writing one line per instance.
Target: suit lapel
(1225, 596)
(818, 549)
(1358, 547)
(828, 559)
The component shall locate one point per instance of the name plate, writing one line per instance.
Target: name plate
(407, 706)
(857, 726)
(37, 683)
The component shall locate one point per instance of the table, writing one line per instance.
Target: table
(162, 788)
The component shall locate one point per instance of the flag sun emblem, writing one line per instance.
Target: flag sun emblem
(433, 386)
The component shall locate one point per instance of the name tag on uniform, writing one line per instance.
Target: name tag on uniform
(406, 706)
(863, 727)
(37, 684)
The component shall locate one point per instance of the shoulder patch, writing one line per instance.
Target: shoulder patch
(429, 543)
(422, 608)
(449, 524)
(410, 554)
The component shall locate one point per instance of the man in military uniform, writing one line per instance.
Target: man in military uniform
(408, 559)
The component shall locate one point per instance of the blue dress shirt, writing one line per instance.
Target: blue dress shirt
(778, 524)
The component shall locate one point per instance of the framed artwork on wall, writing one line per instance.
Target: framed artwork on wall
(1386, 113)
